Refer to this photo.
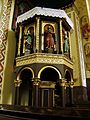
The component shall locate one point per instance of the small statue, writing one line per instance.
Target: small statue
(28, 42)
(50, 38)
(66, 43)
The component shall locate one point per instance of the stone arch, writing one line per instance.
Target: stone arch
(50, 74)
(68, 75)
(20, 71)
(60, 76)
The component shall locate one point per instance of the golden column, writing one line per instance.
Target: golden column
(17, 86)
(71, 84)
(69, 36)
(36, 83)
(63, 93)
(20, 38)
(37, 33)
(61, 37)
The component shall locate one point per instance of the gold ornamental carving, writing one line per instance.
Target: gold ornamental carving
(36, 81)
(17, 83)
(43, 58)
(47, 84)
(63, 82)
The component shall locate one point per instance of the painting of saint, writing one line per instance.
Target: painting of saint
(21, 7)
(85, 27)
(87, 55)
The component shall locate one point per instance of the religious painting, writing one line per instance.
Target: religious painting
(21, 6)
(85, 27)
(87, 55)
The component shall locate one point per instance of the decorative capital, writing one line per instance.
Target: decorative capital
(63, 82)
(17, 83)
(70, 84)
(37, 18)
(36, 81)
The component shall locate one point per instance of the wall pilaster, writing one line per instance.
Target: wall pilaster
(4, 24)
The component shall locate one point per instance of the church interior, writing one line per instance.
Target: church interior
(45, 58)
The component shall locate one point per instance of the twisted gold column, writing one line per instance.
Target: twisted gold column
(36, 83)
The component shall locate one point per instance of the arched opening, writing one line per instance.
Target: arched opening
(51, 75)
(68, 76)
(26, 87)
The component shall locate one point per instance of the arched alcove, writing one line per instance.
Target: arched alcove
(51, 74)
(67, 75)
(25, 90)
